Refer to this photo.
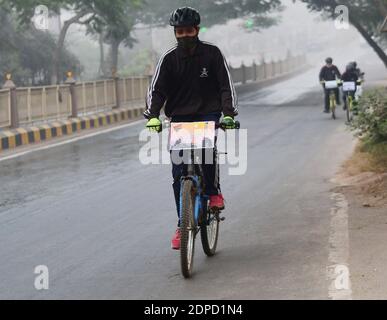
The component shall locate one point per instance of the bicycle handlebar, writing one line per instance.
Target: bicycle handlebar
(217, 126)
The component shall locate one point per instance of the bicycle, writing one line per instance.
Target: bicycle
(349, 90)
(331, 87)
(195, 214)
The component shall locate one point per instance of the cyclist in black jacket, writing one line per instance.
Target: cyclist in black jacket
(193, 80)
(350, 75)
(329, 72)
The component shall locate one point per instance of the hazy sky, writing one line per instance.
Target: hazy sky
(299, 31)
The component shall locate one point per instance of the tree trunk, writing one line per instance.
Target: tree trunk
(102, 67)
(56, 58)
(379, 51)
(114, 54)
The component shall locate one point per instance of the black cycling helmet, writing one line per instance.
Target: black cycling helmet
(185, 17)
(349, 66)
(329, 60)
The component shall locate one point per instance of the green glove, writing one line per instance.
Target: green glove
(228, 123)
(154, 124)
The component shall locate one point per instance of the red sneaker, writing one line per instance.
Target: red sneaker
(175, 243)
(217, 202)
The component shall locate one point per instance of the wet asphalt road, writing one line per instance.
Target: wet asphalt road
(102, 222)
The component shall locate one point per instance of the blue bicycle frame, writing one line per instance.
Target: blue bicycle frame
(200, 198)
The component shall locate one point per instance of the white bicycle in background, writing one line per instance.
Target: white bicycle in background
(359, 88)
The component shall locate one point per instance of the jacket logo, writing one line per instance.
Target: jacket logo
(204, 73)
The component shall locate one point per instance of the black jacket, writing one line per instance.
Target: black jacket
(192, 85)
(349, 76)
(329, 74)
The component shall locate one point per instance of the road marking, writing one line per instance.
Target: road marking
(338, 269)
(90, 135)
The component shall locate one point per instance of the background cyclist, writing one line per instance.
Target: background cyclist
(350, 75)
(329, 72)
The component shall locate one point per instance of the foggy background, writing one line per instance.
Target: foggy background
(298, 31)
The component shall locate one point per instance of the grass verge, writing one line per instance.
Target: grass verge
(368, 157)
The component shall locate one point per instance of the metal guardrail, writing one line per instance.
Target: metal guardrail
(39, 104)
(266, 70)
(42, 103)
(5, 108)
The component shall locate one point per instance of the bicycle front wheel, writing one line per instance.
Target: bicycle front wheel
(187, 228)
(333, 106)
(349, 109)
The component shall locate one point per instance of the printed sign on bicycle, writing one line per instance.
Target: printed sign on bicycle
(192, 135)
(349, 86)
(331, 84)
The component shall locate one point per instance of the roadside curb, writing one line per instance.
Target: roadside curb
(11, 139)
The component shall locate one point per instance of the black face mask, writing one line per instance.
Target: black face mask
(188, 43)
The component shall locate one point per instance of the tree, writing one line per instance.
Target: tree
(213, 12)
(115, 30)
(25, 53)
(258, 13)
(365, 15)
(26, 10)
(114, 20)
(92, 13)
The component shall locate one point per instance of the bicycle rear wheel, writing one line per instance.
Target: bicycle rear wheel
(187, 229)
(209, 231)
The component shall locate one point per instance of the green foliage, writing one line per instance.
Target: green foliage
(371, 123)
(114, 20)
(25, 53)
(212, 12)
(156, 12)
(119, 22)
(377, 154)
(111, 17)
(96, 14)
(139, 65)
